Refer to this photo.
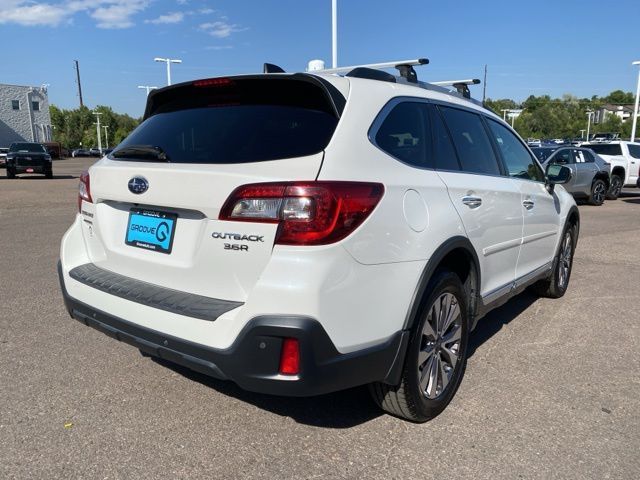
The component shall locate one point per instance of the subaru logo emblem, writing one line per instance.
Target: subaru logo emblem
(138, 185)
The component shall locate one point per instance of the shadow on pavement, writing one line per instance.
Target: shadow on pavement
(351, 407)
(498, 318)
(335, 410)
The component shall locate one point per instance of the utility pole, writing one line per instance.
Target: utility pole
(589, 114)
(168, 61)
(106, 135)
(147, 88)
(97, 114)
(79, 84)
(635, 108)
(484, 87)
(334, 33)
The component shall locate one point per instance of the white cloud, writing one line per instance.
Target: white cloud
(220, 29)
(118, 14)
(174, 17)
(108, 13)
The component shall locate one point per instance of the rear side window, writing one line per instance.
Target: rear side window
(237, 121)
(471, 141)
(405, 134)
(607, 149)
(588, 156)
(518, 160)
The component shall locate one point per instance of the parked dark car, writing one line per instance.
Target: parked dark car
(94, 152)
(26, 157)
(80, 152)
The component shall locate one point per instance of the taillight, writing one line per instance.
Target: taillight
(290, 357)
(84, 190)
(309, 213)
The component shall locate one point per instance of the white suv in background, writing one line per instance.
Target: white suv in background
(624, 158)
(304, 233)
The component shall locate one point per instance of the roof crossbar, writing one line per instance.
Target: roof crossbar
(378, 66)
(462, 86)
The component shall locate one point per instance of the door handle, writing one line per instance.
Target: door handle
(472, 202)
(528, 204)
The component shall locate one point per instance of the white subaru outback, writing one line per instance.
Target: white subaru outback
(303, 233)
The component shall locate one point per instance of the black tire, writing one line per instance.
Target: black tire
(408, 399)
(556, 286)
(598, 192)
(11, 173)
(614, 188)
(48, 174)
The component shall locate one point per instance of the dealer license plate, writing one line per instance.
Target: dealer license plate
(151, 230)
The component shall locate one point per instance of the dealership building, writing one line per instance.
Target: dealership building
(24, 114)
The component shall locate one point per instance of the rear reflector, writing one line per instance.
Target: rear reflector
(290, 357)
(84, 189)
(309, 213)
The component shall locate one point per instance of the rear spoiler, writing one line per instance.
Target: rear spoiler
(162, 96)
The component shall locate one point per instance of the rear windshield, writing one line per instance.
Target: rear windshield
(245, 121)
(27, 147)
(607, 149)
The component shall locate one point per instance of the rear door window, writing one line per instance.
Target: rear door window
(471, 142)
(634, 150)
(445, 154)
(405, 134)
(235, 122)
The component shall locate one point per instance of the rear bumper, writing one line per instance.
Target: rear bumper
(252, 361)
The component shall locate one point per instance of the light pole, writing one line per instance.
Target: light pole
(582, 132)
(97, 114)
(168, 61)
(635, 108)
(589, 113)
(334, 33)
(106, 135)
(504, 113)
(147, 88)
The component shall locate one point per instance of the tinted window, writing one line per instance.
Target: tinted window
(588, 156)
(518, 160)
(27, 147)
(237, 121)
(35, 106)
(445, 154)
(405, 133)
(15, 104)
(562, 156)
(543, 153)
(606, 149)
(471, 141)
(634, 150)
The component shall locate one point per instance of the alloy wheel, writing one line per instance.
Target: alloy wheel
(565, 261)
(440, 345)
(599, 192)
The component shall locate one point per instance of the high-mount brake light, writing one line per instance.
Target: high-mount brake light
(309, 213)
(84, 190)
(213, 82)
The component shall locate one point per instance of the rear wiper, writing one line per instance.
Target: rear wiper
(141, 152)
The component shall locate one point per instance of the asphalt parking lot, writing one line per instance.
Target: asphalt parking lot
(552, 388)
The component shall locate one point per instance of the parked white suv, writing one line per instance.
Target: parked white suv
(624, 158)
(304, 233)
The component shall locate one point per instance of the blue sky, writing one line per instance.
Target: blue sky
(543, 47)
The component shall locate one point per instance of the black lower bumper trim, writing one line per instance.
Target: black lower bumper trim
(253, 360)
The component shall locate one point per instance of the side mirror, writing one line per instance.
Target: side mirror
(557, 174)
